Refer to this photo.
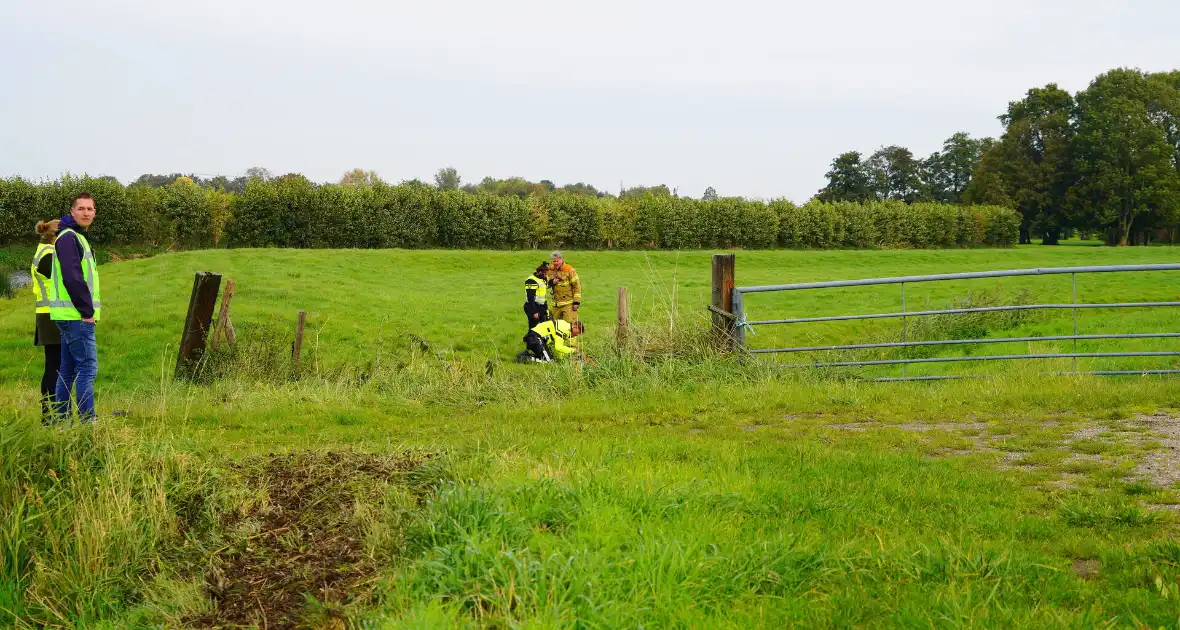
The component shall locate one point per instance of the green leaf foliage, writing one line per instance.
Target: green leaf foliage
(291, 211)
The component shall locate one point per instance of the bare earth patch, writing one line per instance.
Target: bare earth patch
(302, 542)
(1162, 466)
(1011, 459)
(853, 426)
(1083, 457)
(1089, 432)
(1087, 569)
(1067, 481)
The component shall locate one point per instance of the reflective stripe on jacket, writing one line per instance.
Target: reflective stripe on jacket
(540, 288)
(40, 283)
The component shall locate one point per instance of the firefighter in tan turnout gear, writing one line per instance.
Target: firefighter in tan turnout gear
(565, 290)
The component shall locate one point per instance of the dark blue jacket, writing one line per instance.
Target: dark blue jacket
(69, 256)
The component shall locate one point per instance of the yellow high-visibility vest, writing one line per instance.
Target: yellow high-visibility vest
(40, 283)
(560, 334)
(533, 283)
(60, 306)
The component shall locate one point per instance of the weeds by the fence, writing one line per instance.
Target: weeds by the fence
(947, 326)
(7, 291)
(978, 325)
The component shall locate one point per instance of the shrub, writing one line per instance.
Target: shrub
(291, 211)
(650, 214)
(1002, 226)
(19, 210)
(255, 215)
(462, 220)
(188, 211)
(575, 220)
(296, 204)
(759, 224)
(617, 223)
(114, 221)
(146, 214)
(508, 220)
(681, 222)
(405, 215)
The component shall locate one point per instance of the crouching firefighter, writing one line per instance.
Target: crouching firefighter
(551, 339)
(536, 288)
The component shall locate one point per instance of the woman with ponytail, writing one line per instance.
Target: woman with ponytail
(46, 333)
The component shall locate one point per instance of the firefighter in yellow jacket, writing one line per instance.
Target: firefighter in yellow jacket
(565, 290)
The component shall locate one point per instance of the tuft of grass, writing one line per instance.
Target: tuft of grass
(7, 291)
(1140, 488)
(1045, 457)
(969, 325)
(1084, 513)
(1091, 447)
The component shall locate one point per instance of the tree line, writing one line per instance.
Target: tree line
(362, 211)
(1104, 161)
(447, 178)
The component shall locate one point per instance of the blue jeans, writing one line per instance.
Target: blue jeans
(79, 366)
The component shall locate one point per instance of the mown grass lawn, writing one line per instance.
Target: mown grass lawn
(675, 492)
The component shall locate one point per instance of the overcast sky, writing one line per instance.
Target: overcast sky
(753, 98)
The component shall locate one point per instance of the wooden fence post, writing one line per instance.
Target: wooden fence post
(223, 327)
(623, 319)
(297, 347)
(722, 299)
(197, 321)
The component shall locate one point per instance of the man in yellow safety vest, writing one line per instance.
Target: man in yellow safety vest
(75, 305)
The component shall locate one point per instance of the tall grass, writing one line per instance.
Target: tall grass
(7, 291)
(90, 517)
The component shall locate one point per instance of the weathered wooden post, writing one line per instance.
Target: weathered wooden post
(623, 319)
(223, 326)
(197, 321)
(297, 347)
(721, 304)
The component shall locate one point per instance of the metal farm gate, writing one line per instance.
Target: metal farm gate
(742, 324)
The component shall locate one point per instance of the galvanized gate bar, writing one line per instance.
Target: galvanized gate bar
(990, 357)
(953, 311)
(970, 275)
(744, 325)
(953, 342)
(954, 377)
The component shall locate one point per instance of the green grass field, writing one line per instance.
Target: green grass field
(364, 303)
(415, 477)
